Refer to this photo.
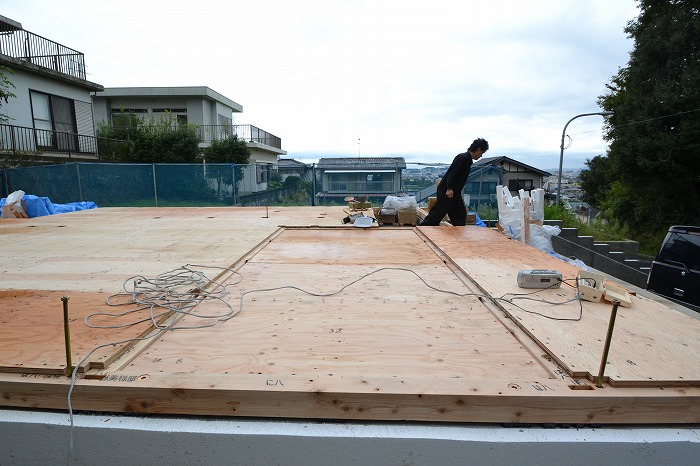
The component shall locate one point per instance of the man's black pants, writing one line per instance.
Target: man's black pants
(453, 207)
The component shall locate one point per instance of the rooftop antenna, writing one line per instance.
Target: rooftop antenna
(358, 148)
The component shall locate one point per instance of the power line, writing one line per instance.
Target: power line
(643, 121)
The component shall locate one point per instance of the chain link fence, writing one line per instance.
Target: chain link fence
(225, 184)
(160, 185)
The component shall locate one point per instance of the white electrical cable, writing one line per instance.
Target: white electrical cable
(183, 289)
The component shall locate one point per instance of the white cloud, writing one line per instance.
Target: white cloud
(405, 78)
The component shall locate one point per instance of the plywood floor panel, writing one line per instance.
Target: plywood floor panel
(389, 322)
(639, 353)
(347, 246)
(97, 249)
(385, 348)
(33, 337)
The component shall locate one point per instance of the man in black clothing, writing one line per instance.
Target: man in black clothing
(449, 191)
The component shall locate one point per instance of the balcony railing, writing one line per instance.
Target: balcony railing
(26, 46)
(209, 133)
(19, 140)
(247, 133)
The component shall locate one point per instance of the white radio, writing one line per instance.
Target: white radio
(539, 279)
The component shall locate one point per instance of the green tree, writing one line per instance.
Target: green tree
(595, 181)
(116, 142)
(133, 139)
(229, 150)
(5, 92)
(293, 182)
(650, 177)
(274, 181)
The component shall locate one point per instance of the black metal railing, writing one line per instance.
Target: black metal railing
(19, 139)
(37, 50)
(209, 133)
(247, 133)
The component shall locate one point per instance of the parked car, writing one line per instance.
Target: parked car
(675, 271)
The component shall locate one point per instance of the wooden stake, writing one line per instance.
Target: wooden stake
(525, 236)
(606, 348)
(66, 330)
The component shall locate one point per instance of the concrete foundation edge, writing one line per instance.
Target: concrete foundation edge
(31, 437)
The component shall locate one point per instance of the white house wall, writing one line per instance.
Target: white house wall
(249, 182)
(100, 110)
(199, 111)
(262, 156)
(512, 171)
(20, 109)
(223, 110)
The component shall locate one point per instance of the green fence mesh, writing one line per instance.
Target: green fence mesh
(155, 185)
(173, 185)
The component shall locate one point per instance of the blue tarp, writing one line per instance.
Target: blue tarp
(40, 206)
(479, 222)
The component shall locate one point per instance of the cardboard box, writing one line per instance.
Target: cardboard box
(407, 217)
(387, 217)
(356, 205)
(16, 210)
(432, 200)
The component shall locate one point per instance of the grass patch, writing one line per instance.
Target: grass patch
(603, 230)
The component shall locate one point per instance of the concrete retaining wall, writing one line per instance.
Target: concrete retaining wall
(621, 259)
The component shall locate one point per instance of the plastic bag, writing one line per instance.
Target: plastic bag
(509, 213)
(400, 203)
(541, 236)
(14, 207)
(510, 210)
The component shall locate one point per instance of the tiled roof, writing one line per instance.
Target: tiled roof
(362, 163)
(497, 160)
(290, 163)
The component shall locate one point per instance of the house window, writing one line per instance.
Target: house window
(127, 117)
(360, 182)
(177, 115)
(380, 182)
(119, 111)
(262, 172)
(516, 185)
(54, 119)
(484, 188)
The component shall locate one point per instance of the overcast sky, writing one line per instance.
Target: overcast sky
(419, 80)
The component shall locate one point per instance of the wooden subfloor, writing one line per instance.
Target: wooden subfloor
(321, 320)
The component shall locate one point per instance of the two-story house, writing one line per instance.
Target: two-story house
(51, 113)
(211, 113)
(371, 177)
(489, 172)
(514, 174)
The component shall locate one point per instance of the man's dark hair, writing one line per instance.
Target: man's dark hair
(480, 143)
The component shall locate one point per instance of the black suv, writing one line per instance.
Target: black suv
(675, 272)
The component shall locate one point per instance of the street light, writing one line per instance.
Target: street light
(563, 135)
